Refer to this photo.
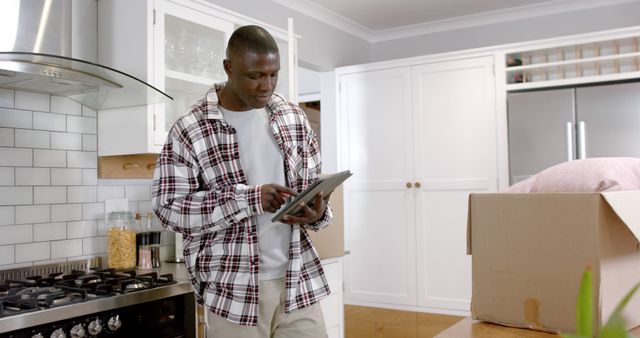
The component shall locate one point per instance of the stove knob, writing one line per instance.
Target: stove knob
(95, 327)
(39, 335)
(114, 323)
(58, 334)
(78, 331)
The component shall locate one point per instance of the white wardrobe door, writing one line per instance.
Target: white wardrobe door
(379, 218)
(455, 154)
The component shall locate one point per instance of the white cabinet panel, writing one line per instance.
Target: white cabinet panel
(378, 125)
(329, 305)
(381, 266)
(334, 332)
(454, 105)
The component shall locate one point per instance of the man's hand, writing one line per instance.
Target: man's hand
(309, 214)
(273, 196)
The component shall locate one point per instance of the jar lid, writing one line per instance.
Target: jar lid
(120, 215)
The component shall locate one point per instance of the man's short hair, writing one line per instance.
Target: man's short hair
(253, 39)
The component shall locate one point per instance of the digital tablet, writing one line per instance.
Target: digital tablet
(325, 183)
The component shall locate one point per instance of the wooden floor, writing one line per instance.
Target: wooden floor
(367, 322)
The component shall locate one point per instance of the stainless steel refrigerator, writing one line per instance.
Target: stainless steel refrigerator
(549, 127)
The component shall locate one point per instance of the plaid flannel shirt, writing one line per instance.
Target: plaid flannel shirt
(201, 191)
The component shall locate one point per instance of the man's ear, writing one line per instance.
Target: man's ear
(226, 63)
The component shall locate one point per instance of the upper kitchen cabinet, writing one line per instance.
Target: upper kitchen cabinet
(177, 46)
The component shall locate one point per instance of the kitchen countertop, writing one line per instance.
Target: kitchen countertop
(30, 319)
(469, 328)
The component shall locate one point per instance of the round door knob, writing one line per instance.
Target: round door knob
(77, 331)
(37, 335)
(58, 334)
(114, 323)
(95, 327)
(409, 185)
(418, 184)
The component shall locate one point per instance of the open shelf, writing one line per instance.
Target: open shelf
(597, 61)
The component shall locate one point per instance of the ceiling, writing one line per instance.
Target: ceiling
(379, 20)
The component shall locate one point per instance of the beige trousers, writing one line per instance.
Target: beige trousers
(273, 322)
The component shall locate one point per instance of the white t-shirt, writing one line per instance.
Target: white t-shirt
(263, 163)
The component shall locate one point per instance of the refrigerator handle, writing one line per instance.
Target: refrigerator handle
(582, 140)
(569, 141)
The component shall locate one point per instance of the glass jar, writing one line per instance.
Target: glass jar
(121, 241)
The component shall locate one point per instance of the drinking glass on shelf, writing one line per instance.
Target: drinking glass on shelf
(196, 55)
(213, 65)
(170, 54)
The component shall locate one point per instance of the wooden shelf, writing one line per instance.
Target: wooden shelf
(603, 60)
(188, 83)
(573, 62)
(573, 81)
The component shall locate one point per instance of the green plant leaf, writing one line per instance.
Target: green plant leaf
(584, 308)
(570, 335)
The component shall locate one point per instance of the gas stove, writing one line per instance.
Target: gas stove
(62, 301)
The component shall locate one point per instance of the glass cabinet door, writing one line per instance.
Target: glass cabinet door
(192, 48)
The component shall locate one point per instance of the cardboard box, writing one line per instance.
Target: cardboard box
(529, 252)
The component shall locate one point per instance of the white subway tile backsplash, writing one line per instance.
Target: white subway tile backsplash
(33, 252)
(32, 139)
(89, 142)
(33, 176)
(68, 248)
(51, 201)
(102, 227)
(14, 118)
(82, 229)
(16, 195)
(93, 211)
(12, 234)
(94, 245)
(6, 98)
(66, 176)
(7, 215)
(50, 261)
(86, 111)
(86, 125)
(6, 137)
(32, 101)
(82, 194)
(138, 193)
(49, 195)
(90, 176)
(133, 207)
(82, 159)
(64, 105)
(66, 141)
(49, 158)
(11, 157)
(48, 121)
(66, 212)
(107, 192)
(7, 176)
(32, 214)
(6, 254)
(49, 232)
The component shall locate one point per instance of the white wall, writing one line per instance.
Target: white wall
(321, 48)
(570, 23)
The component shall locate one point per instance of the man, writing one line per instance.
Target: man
(226, 167)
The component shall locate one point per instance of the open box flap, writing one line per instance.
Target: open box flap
(626, 204)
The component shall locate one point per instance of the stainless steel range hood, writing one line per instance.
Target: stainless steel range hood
(50, 46)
